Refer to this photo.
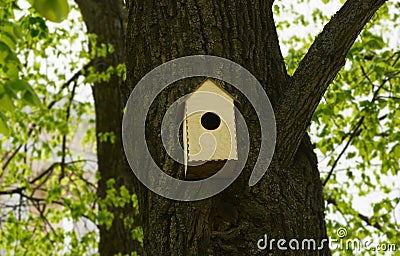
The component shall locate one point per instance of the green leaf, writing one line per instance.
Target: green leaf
(53, 10)
(9, 91)
(351, 155)
(19, 85)
(5, 51)
(6, 103)
(8, 40)
(10, 33)
(3, 125)
(9, 63)
(32, 99)
(28, 94)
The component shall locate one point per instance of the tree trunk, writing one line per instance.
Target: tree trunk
(106, 19)
(288, 202)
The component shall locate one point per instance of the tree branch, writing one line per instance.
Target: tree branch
(64, 138)
(317, 70)
(364, 218)
(366, 76)
(44, 173)
(353, 134)
(73, 79)
(357, 130)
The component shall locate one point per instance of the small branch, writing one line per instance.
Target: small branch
(366, 76)
(389, 97)
(43, 217)
(387, 79)
(397, 59)
(364, 218)
(352, 136)
(15, 152)
(316, 71)
(368, 221)
(356, 129)
(64, 138)
(47, 172)
(376, 93)
(12, 191)
(74, 78)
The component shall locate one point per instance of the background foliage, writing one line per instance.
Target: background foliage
(356, 127)
(48, 165)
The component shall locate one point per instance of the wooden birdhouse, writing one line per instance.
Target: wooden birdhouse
(209, 130)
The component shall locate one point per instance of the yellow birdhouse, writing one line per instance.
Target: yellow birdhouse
(209, 130)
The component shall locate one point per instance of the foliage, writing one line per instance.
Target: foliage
(12, 86)
(356, 129)
(47, 178)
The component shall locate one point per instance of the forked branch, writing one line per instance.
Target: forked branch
(317, 70)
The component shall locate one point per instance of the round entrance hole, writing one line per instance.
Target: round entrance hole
(210, 121)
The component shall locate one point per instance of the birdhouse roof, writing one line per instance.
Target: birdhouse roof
(211, 82)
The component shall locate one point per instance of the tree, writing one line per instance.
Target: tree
(107, 19)
(289, 200)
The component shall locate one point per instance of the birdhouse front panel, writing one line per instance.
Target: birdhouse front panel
(210, 124)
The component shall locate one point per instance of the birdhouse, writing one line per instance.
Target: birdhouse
(209, 130)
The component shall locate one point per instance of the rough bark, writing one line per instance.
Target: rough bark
(288, 201)
(106, 19)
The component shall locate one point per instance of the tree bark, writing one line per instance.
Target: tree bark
(288, 202)
(106, 19)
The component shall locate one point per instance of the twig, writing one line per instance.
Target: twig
(366, 76)
(352, 136)
(74, 78)
(364, 218)
(64, 139)
(48, 171)
(356, 129)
